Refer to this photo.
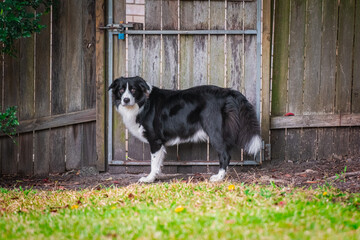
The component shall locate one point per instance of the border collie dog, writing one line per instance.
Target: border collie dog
(165, 117)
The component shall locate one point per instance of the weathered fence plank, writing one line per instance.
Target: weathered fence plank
(170, 76)
(26, 104)
(250, 15)
(9, 150)
(42, 153)
(88, 61)
(250, 67)
(193, 65)
(278, 144)
(328, 57)
(296, 56)
(217, 15)
(327, 76)
(152, 52)
(296, 74)
(312, 58)
(152, 14)
(58, 85)
(119, 138)
(325, 143)
(235, 53)
(26, 84)
(345, 56)
(100, 86)
(280, 64)
(42, 97)
(355, 106)
(169, 15)
(74, 89)
(135, 68)
(25, 164)
(57, 151)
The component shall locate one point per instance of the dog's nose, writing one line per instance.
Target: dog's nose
(126, 100)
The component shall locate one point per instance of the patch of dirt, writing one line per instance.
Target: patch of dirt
(303, 174)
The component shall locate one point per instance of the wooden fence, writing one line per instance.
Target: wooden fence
(58, 80)
(52, 81)
(316, 76)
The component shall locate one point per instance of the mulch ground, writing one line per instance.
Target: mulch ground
(302, 174)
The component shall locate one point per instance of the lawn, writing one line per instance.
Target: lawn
(181, 210)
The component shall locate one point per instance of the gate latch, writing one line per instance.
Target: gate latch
(118, 28)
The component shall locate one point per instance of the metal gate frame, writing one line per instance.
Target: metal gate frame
(116, 29)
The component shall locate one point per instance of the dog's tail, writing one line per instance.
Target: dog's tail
(241, 126)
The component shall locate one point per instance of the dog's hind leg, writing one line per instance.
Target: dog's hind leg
(157, 158)
(224, 159)
(218, 143)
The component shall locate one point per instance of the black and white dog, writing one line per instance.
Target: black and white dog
(165, 117)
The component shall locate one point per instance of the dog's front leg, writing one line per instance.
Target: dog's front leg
(157, 158)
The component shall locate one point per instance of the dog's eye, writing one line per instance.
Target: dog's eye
(133, 90)
(122, 90)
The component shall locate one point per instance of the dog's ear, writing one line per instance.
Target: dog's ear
(115, 83)
(145, 87)
(112, 85)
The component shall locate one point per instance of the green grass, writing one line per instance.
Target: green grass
(209, 211)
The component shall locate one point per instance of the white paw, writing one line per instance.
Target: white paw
(218, 177)
(147, 179)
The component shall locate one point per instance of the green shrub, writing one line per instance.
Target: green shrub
(20, 19)
(8, 121)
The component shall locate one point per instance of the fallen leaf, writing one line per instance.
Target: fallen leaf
(131, 195)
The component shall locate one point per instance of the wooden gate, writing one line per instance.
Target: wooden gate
(184, 44)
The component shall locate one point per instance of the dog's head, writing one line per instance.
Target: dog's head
(129, 91)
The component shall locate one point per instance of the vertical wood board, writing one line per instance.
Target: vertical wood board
(345, 56)
(58, 84)
(151, 60)
(169, 15)
(355, 106)
(119, 70)
(152, 15)
(169, 72)
(75, 79)
(135, 68)
(100, 86)
(88, 157)
(296, 56)
(235, 16)
(250, 15)
(42, 153)
(25, 165)
(312, 58)
(250, 74)
(10, 150)
(217, 15)
(280, 64)
(328, 57)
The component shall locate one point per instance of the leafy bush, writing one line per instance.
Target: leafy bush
(20, 19)
(8, 121)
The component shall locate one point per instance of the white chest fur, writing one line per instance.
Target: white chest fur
(129, 118)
